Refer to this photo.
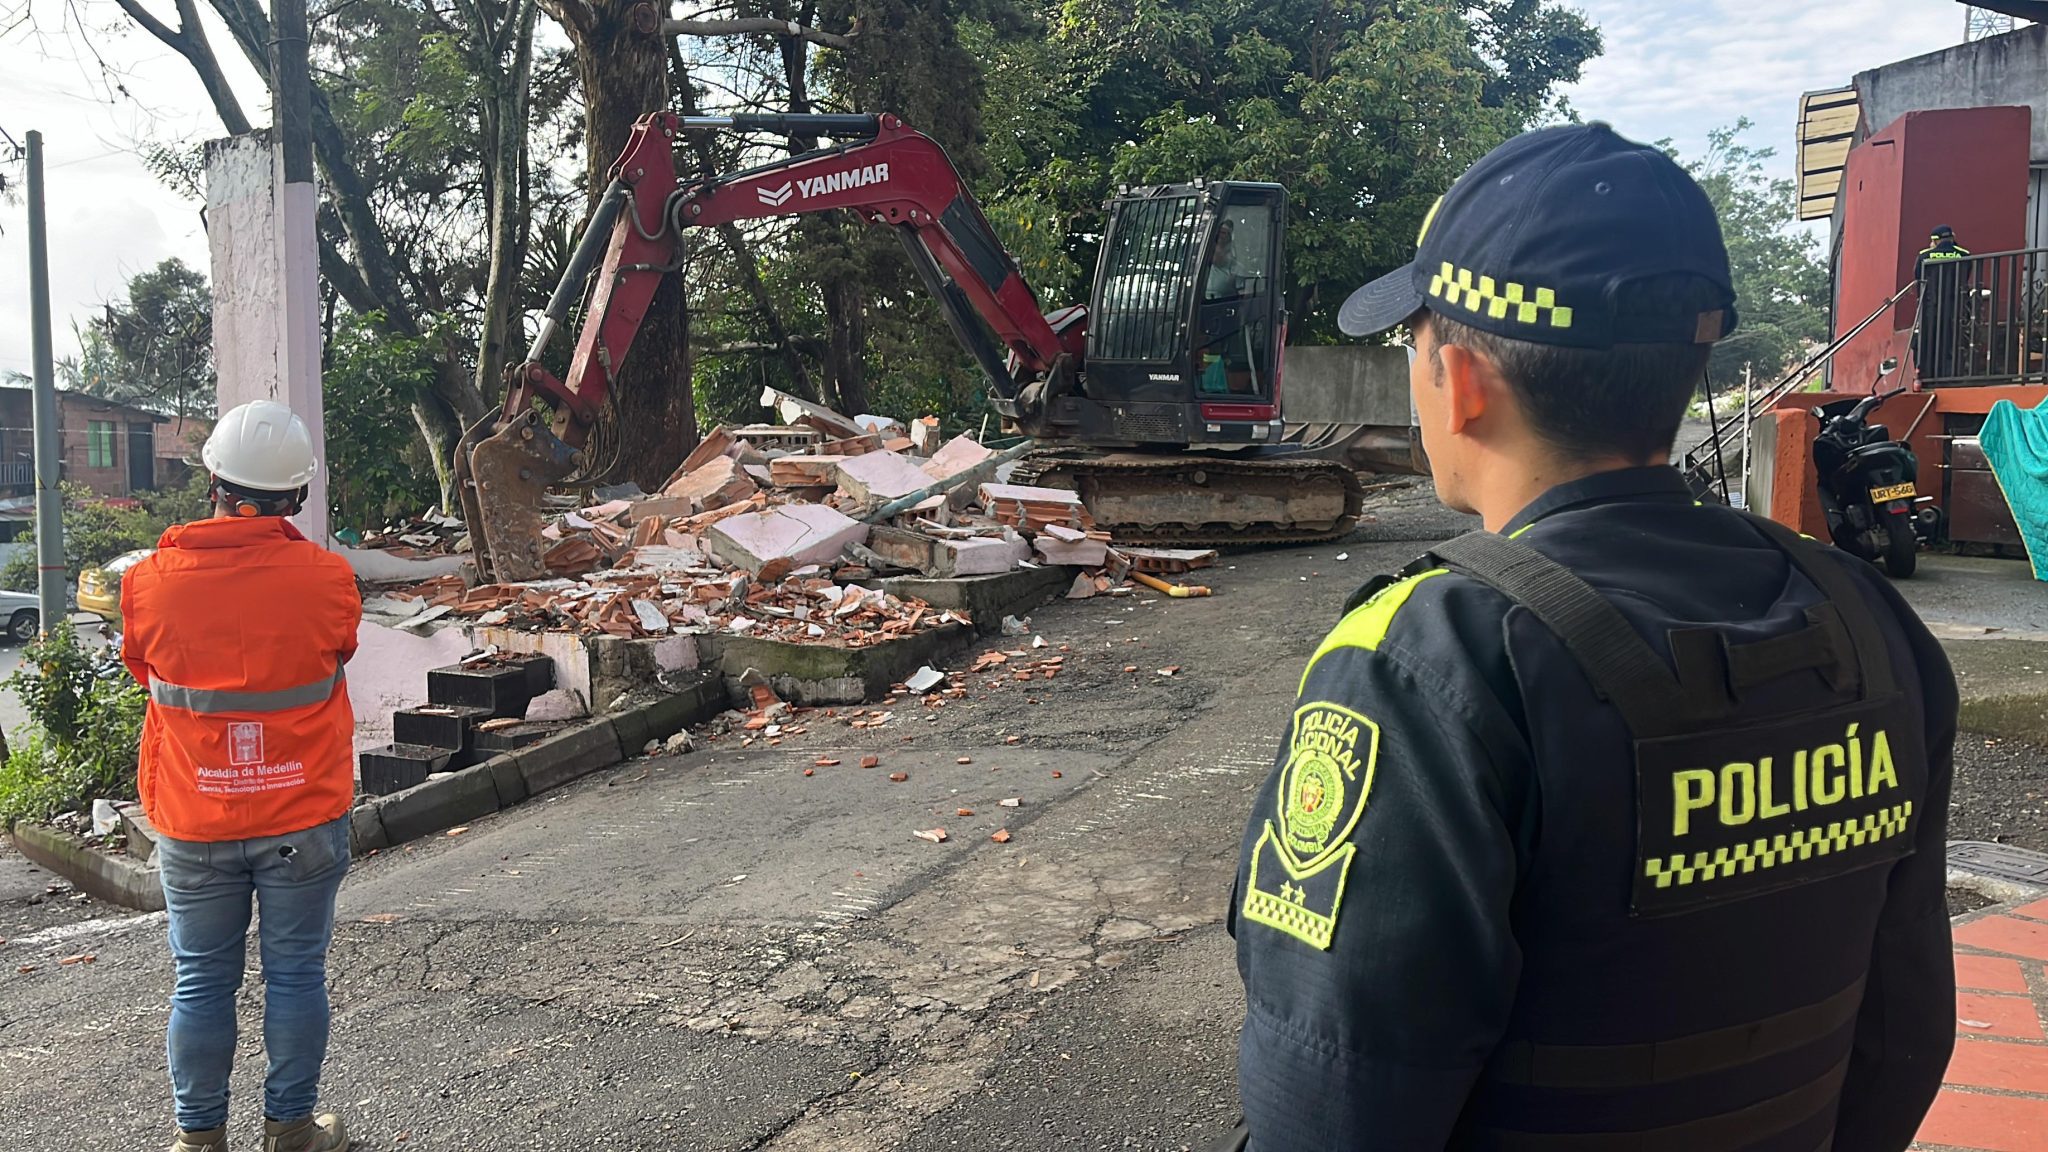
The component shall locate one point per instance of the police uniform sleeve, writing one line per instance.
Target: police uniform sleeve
(1906, 1028)
(1372, 905)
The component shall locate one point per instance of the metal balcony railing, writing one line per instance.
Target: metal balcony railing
(17, 474)
(1984, 320)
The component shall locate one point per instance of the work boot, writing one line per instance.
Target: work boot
(211, 1140)
(322, 1133)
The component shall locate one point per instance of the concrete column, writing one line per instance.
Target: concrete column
(266, 299)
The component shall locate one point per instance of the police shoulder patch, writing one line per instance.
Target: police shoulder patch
(1301, 860)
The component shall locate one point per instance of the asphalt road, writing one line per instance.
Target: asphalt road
(715, 951)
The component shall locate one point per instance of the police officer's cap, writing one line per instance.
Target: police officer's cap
(1551, 238)
(1943, 231)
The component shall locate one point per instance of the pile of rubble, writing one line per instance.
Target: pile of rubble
(428, 534)
(768, 530)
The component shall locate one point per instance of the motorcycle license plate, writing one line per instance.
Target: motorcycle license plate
(1893, 492)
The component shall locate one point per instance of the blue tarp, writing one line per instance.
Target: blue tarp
(2015, 441)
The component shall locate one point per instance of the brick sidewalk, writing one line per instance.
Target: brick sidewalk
(1996, 1098)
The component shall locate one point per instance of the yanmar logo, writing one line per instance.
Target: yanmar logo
(811, 186)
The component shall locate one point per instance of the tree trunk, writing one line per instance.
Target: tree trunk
(507, 173)
(847, 326)
(622, 64)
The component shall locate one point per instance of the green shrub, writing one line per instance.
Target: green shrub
(94, 533)
(86, 716)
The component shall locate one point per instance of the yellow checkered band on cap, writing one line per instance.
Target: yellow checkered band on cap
(1785, 848)
(1481, 296)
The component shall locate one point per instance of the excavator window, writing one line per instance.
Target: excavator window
(1145, 279)
(1234, 356)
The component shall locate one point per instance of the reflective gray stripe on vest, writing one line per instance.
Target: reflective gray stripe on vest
(207, 700)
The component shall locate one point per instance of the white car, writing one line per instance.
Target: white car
(21, 614)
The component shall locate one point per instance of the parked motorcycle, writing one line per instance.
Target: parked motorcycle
(1868, 483)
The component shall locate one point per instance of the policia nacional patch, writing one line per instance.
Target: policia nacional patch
(1304, 855)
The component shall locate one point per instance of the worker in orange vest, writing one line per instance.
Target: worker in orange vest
(239, 627)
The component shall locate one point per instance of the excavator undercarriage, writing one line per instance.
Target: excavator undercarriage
(1188, 498)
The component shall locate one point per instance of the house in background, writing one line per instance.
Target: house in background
(114, 449)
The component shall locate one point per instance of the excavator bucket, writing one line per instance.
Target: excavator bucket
(501, 478)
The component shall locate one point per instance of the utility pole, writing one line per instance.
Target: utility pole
(297, 201)
(50, 571)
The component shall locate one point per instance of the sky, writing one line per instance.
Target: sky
(1672, 68)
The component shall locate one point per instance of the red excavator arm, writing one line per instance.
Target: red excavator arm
(888, 173)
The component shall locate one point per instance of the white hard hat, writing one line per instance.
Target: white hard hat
(262, 446)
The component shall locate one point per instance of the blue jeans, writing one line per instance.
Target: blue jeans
(206, 892)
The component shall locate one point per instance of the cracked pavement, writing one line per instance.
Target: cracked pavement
(713, 951)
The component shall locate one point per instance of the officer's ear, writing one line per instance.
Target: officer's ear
(1469, 382)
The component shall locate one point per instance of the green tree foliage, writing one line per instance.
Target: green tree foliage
(95, 531)
(1781, 282)
(154, 348)
(1365, 109)
(376, 461)
(86, 715)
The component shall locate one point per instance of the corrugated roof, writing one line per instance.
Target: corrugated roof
(1827, 128)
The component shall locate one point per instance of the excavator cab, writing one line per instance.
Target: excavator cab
(1185, 330)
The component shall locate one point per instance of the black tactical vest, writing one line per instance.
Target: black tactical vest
(1696, 925)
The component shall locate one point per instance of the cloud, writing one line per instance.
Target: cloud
(1676, 70)
(109, 218)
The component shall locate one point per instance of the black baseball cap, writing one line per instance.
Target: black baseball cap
(1556, 237)
(1942, 230)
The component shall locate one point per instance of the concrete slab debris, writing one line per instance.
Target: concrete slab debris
(954, 457)
(795, 533)
(879, 476)
(720, 481)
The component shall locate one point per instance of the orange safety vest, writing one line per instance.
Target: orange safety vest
(240, 629)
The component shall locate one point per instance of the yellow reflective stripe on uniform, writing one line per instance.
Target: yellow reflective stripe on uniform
(1428, 220)
(1367, 624)
(208, 700)
(1783, 848)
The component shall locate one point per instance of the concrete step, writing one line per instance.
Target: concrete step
(484, 744)
(450, 726)
(502, 688)
(396, 767)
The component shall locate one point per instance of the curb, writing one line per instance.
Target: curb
(505, 781)
(117, 879)
(2012, 715)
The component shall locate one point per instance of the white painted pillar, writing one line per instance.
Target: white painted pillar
(266, 292)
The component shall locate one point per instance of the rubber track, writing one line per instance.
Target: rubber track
(1032, 468)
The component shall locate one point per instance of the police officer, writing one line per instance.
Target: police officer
(1941, 246)
(1618, 825)
(1940, 303)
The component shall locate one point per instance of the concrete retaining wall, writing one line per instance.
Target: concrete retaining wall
(1346, 384)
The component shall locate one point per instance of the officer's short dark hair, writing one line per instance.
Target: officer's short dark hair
(1592, 403)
